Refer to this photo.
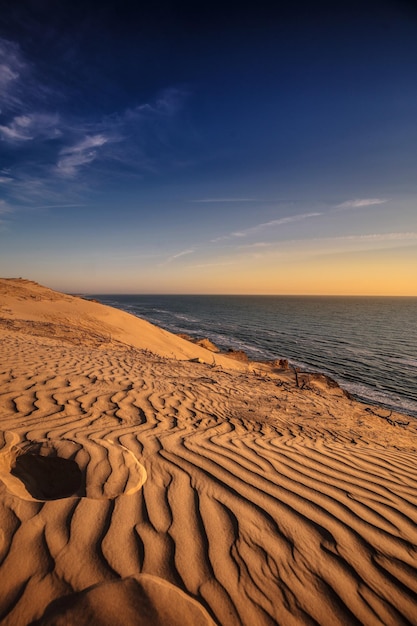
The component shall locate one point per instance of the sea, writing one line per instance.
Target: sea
(367, 344)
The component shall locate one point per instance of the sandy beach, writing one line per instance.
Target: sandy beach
(145, 480)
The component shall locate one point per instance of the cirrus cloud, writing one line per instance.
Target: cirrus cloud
(360, 202)
(179, 254)
(31, 126)
(82, 153)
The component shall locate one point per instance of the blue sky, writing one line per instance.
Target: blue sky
(191, 148)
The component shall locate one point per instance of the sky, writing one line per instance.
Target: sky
(174, 147)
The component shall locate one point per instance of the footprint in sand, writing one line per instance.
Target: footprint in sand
(51, 469)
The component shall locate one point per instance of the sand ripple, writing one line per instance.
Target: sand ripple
(260, 504)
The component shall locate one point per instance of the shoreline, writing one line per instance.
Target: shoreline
(283, 364)
(142, 482)
(373, 375)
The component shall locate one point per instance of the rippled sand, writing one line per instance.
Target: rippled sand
(138, 487)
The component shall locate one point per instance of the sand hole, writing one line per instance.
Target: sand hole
(48, 477)
(51, 469)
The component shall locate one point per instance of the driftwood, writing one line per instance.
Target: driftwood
(387, 418)
(297, 380)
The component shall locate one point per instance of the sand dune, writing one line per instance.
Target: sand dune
(138, 487)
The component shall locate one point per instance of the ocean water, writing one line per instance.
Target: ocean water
(367, 344)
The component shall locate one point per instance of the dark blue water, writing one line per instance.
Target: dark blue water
(369, 345)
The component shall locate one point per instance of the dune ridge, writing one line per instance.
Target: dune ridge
(205, 494)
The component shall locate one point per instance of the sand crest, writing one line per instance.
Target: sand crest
(144, 600)
(138, 487)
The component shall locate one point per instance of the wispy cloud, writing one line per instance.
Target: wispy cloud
(359, 203)
(252, 230)
(179, 254)
(378, 237)
(353, 244)
(170, 101)
(167, 103)
(82, 153)
(256, 246)
(20, 88)
(338, 240)
(213, 200)
(31, 126)
(28, 114)
(328, 246)
(58, 206)
(40, 188)
(274, 223)
(11, 68)
(349, 243)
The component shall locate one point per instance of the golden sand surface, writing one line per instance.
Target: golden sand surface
(146, 481)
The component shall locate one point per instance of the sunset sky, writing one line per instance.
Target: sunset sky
(176, 147)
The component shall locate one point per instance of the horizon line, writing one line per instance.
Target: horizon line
(247, 295)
